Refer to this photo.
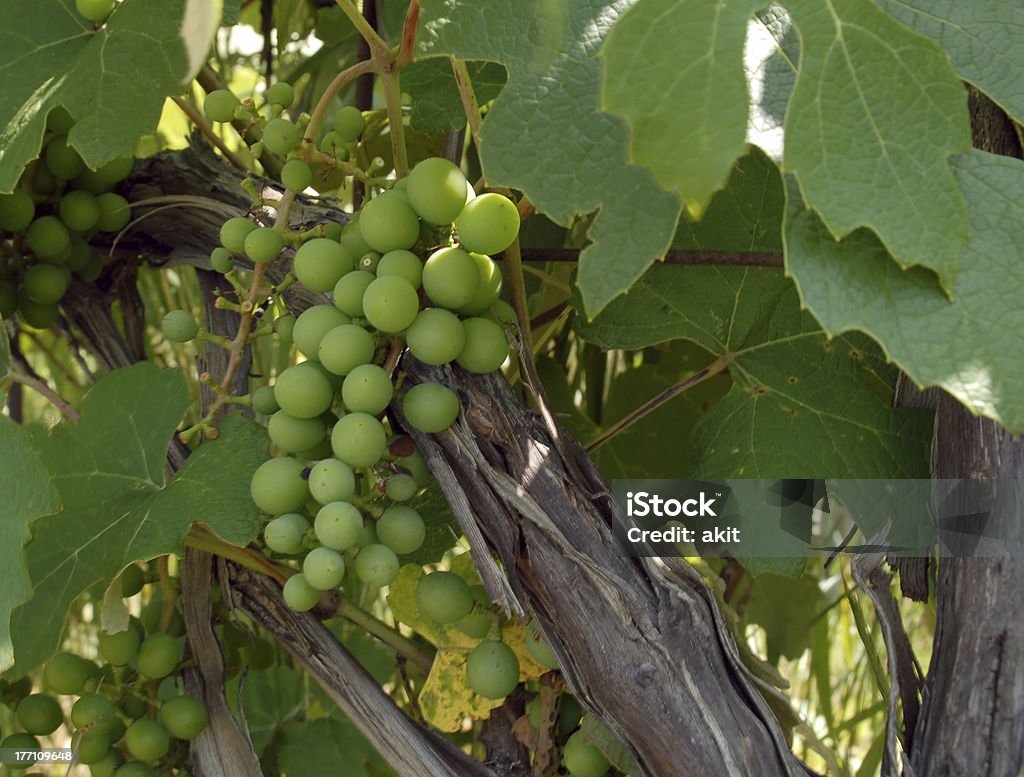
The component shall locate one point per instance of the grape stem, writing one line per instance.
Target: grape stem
(189, 110)
(201, 537)
(170, 593)
(386, 634)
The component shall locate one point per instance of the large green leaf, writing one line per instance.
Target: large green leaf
(112, 80)
(573, 163)
(801, 405)
(875, 114)
(983, 40)
(117, 505)
(436, 105)
(27, 494)
(969, 346)
(326, 746)
(674, 71)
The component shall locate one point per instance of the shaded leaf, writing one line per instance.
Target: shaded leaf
(436, 106)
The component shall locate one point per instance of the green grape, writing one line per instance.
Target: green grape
(105, 766)
(359, 440)
(293, 435)
(368, 536)
(284, 327)
(220, 105)
(45, 284)
(349, 291)
(280, 136)
(106, 177)
(488, 224)
(345, 347)
(62, 160)
(488, 290)
(303, 391)
(333, 145)
(569, 714)
(95, 10)
(437, 190)
(401, 487)
(263, 244)
(443, 597)
(582, 759)
(19, 741)
(132, 580)
(402, 263)
(352, 239)
(48, 237)
(135, 769)
(158, 655)
(367, 389)
(184, 716)
(220, 260)
(233, 233)
(430, 407)
(299, 594)
(39, 713)
(331, 480)
(436, 336)
(387, 222)
(282, 93)
(390, 303)
(17, 210)
(538, 648)
(416, 466)
(8, 299)
(278, 487)
(81, 255)
(333, 230)
(402, 529)
(377, 565)
(37, 316)
(450, 277)
(492, 670)
(313, 324)
(296, 175)
(119, 648)
(486, 346)
(147, 740)
(115, 212)
(320, 263)
(59, 121)
(79, 210)
(67, 673)
(338, 525)
(348, 123)
(179, 326)
(501, 312)
(285, 533)
(324, 568)
(368, 262)
(44, 182)
(91, 746)
(264, 402)
(92, 268)
(477, 624)
(95, 711)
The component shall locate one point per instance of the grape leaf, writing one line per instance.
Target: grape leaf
(436, 106)
(801, 405)
(969, 346)
(983, 40)
(674, 71)
(117, 506)
(316, 747)
(786, 608)
(112, 80)
(574, 162)
(28, 494)
(874, 116)
(5, 353)
(269, 697)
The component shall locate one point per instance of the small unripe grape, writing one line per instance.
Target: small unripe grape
(443, 597)
(147, 740)
(220, 105)
(377, 565)
(264, 402)
(352, 239)
(348, 123)
(107, 765)
(296, 175)
(349, 291)
(331, 480)
(95, 10)
(388, 222)
(119, 648)
(96, 711)
(158, 655)
(79, 210)
(486, 346)
(132, 580)
(430, 407)
(368, 262)
(39, 713)
(115, 212)
(67, 673)
(17, 210)
(45, 284)
(324, 568)
(135, 769)
(278, 487)
(179, 326)
(338, 525)
(36, 315)
(303, 391)
(488, 224)
(320, 263)
(105, 178)
(404, 264)
(437, 190)
(436, 336)
(294, 435)
(221, 261)
(263, 244)
(311, 326)
(282, 93)
(59, 121)
(582, 759)
(280, 135)
(345, 347)
(62, 160)
(299, 595)
(184, 716)
(477, 624)
(390, 303)
(367, 389)
(48, 237)
(401, 528)
(233, 233)
(333, 145)
(90, 746)
(488, 290)
(492, 670)
(285, 533)
(359, 440)
(401, 487)
(450, 277)
(538, 648)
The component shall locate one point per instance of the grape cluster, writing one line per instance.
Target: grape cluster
(48, 221)
(129, 718)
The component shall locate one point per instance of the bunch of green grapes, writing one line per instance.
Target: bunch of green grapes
(47, 225)
(129, 717)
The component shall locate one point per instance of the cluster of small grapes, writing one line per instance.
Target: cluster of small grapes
(130, 719)
(47, 222)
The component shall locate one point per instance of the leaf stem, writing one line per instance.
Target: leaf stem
(201, 537)
(386, 634)
(468, 97)
(346, 75)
